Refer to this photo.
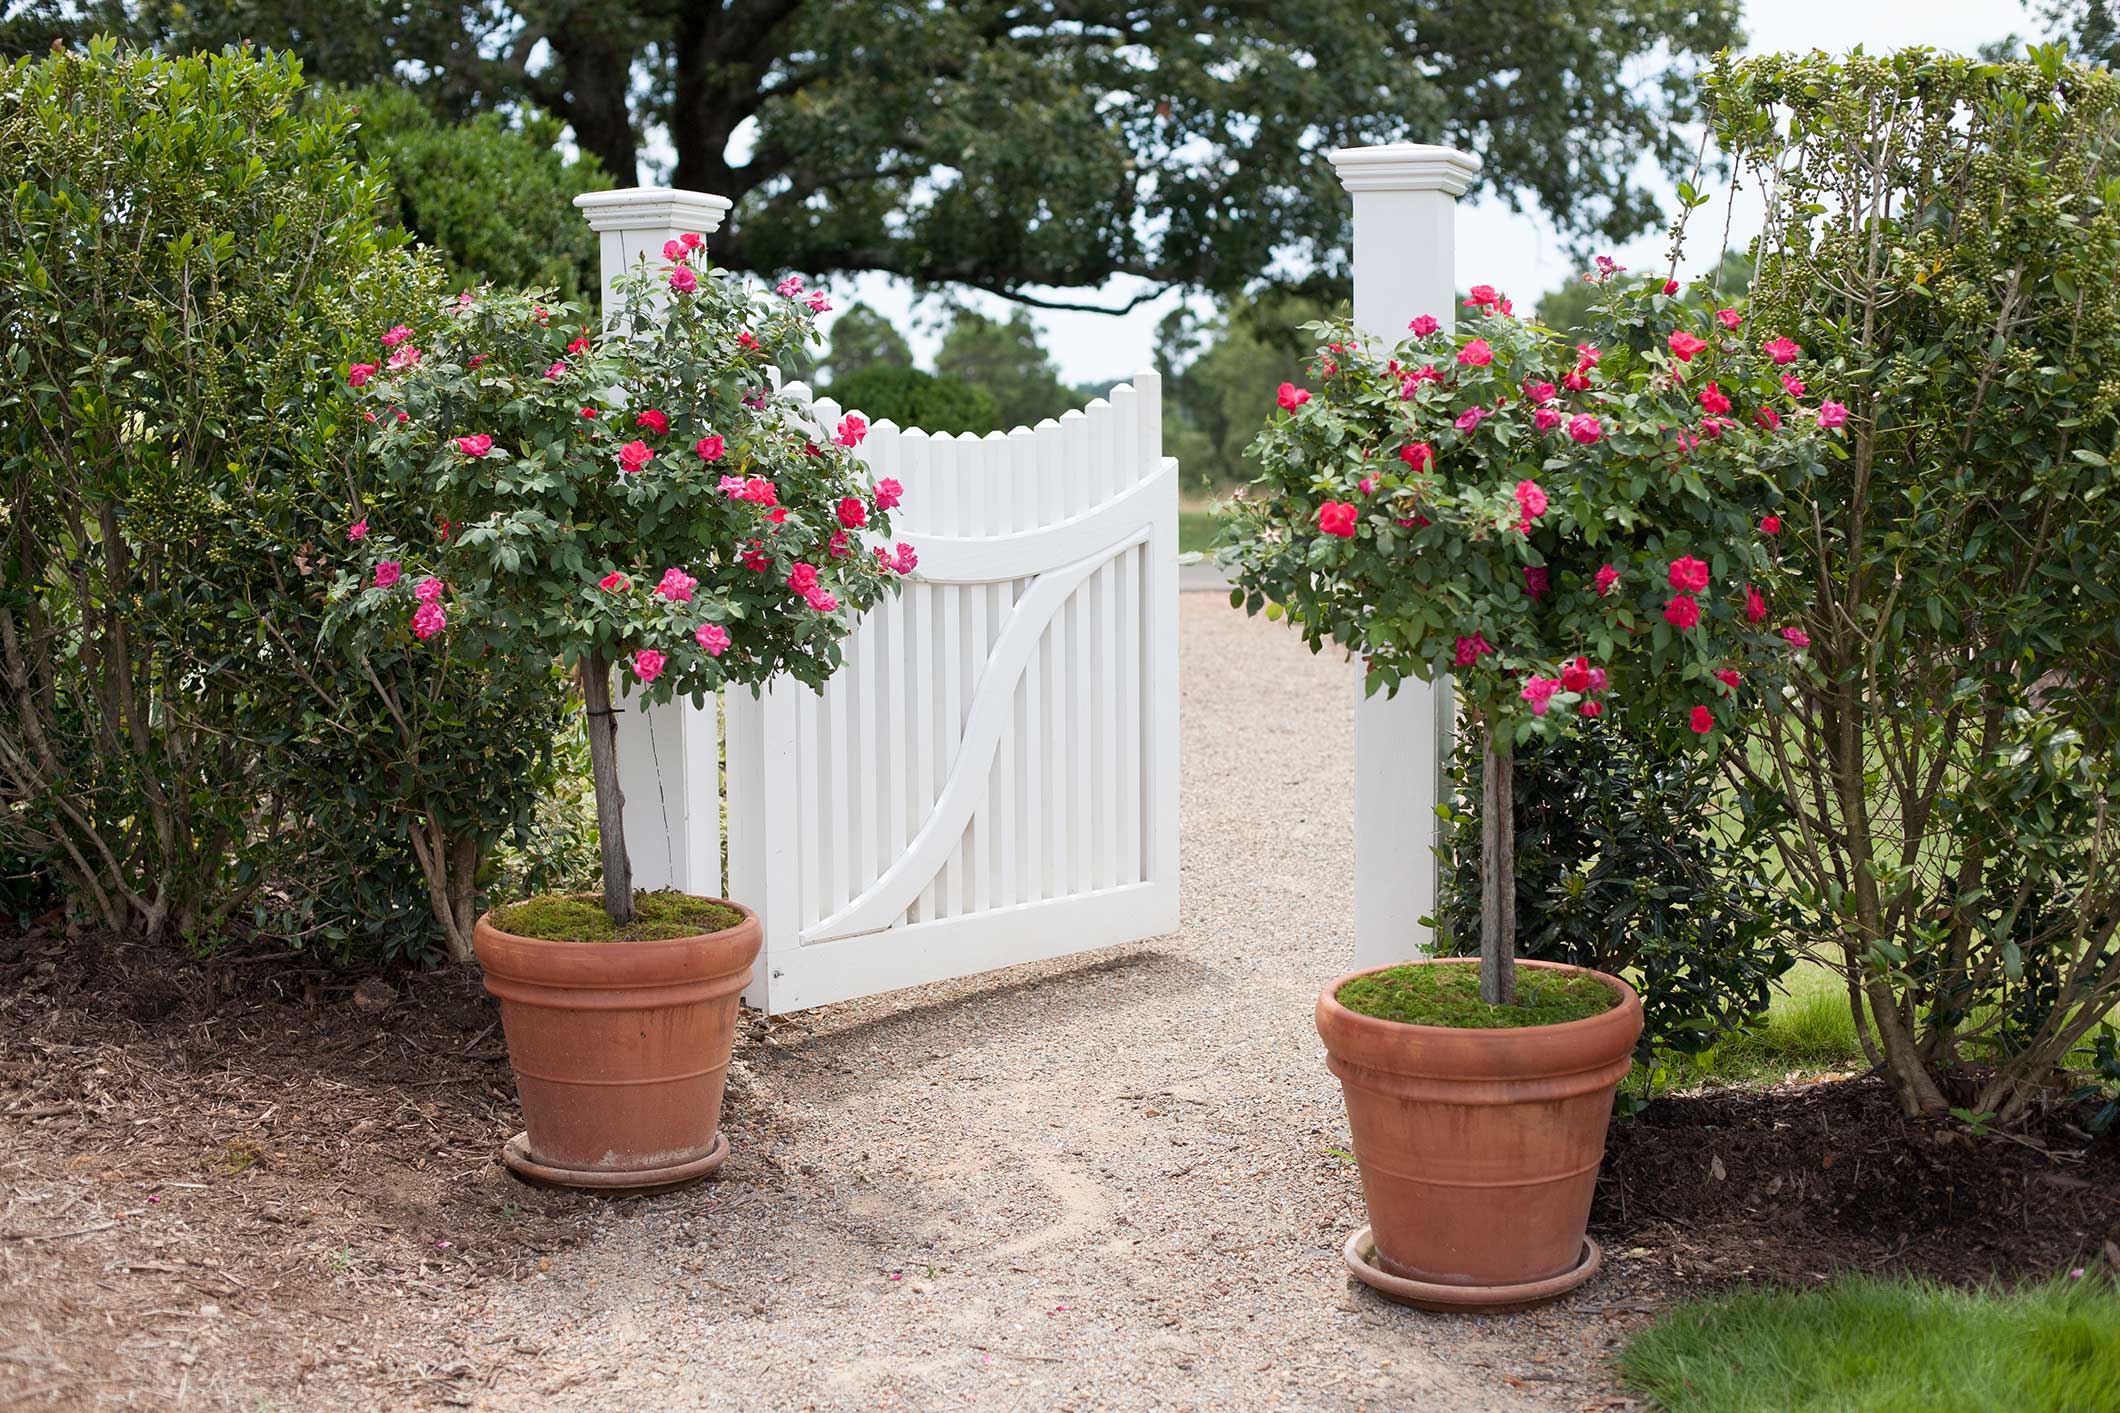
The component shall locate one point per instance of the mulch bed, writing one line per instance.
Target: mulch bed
(1803, 1181)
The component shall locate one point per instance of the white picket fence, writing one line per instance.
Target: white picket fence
(992, 777)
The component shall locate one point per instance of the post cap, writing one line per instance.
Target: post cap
(656, 208)
(1402, 166)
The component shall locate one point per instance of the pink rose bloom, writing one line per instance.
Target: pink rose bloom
(1337, 517)
(1727, 676)
(1768, 419)
(552, 374)
(1714, 399)
(429, 590)
(614, 583)
(713, 639)
(1597, 679)
(427, 620)
(683, 280)
(1426, 373)
(1712, 427)
(1782, 350)
(387, 573)
(1476, 354)
(852, 513)
(1416, 455)
(1592, 708)
(359, 374)
(907, 559)
(1367, 485)
(1546, 418)
(1482, 296)
(837, 545)
(634, 455)
(1424, 325)
(1607, 267)
(802, 578)
(1540, 392)
(818, 303)
(648, 664)
(709, 449)
(1539, 692)
(1469, 420)
(358, 530)
(852, 428)
(820, 600)
(673, 249)
(1537, 580)
(474, 446)
(1682, 612)
(1770, 525)
(760, 491)
(1469, 650)
(1584, 428)
(1797, 637)
(1755, 606)
(405, 357)
(1684, 345)
(1831, 414)
(1702, 721)
(1670, 286)
(1688, 575)
(676, 586)
(654, 419)
(789, 286)
(693, 240)
(889, 494)
(1730, 319)
(396, 335)
(1606, 578)
(1530, 499)
(1575, 676)
(1792, 385)
(1291, 397)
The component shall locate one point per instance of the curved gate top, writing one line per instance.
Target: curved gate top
(992, 778)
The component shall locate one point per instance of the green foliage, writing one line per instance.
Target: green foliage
(1421, 994)
(579, 917)
(1388, 521)
(1570, 309)
(912, 398)
(862, 339)
(1868, 1344)
(495, 197)
(1016, 148)
(1214, 369)
(1620, 868)
(1005, 360)
(1939, 239)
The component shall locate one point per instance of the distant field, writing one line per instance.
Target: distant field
(1196, 529)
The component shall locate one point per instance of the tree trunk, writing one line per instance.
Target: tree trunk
(597, 70)
(610, 801)
(1497, 874)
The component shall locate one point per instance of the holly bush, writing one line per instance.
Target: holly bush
(642, 496)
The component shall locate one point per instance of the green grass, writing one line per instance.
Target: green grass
(1196, 530)
(1450, 995)
(1887, 1346)
(580, 917)
(1807, 1029)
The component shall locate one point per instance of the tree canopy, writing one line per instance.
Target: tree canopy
(1024, 148)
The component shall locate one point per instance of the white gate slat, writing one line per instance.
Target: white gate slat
(997, 758)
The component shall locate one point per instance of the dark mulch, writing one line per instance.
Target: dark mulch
(1800, 1182)
(206, 1169)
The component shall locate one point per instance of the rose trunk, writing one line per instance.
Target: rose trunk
(1497, 874)
(610, 800)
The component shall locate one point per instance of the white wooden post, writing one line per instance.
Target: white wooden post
(668, 757)
(1405, 216)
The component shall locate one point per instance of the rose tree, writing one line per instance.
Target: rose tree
(1563, 531)
(643, 499)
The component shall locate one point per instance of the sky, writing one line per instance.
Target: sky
(1517, 252)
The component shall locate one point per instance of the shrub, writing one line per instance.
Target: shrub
(641, 497)
(1615, 872)
(1939, 237)
(1565, 533)
(912, 398)
(494, 196)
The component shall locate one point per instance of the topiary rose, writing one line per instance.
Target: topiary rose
(644, 498)
(1563, 531)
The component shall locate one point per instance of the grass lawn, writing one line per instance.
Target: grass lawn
(1876, 1346)
(1196, 529)
(1807, 1029)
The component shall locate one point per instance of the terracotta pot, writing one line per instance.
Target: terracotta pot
(1479, 1149)
(620, 1050)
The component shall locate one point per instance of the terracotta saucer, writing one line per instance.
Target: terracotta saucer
(516, 1154)
(1361, 1250)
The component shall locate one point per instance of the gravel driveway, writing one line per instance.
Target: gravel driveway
(1111, 1181)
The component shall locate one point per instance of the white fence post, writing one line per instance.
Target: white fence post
(1405, 215)
(669, 757)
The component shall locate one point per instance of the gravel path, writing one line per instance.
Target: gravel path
(1109, 1181)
